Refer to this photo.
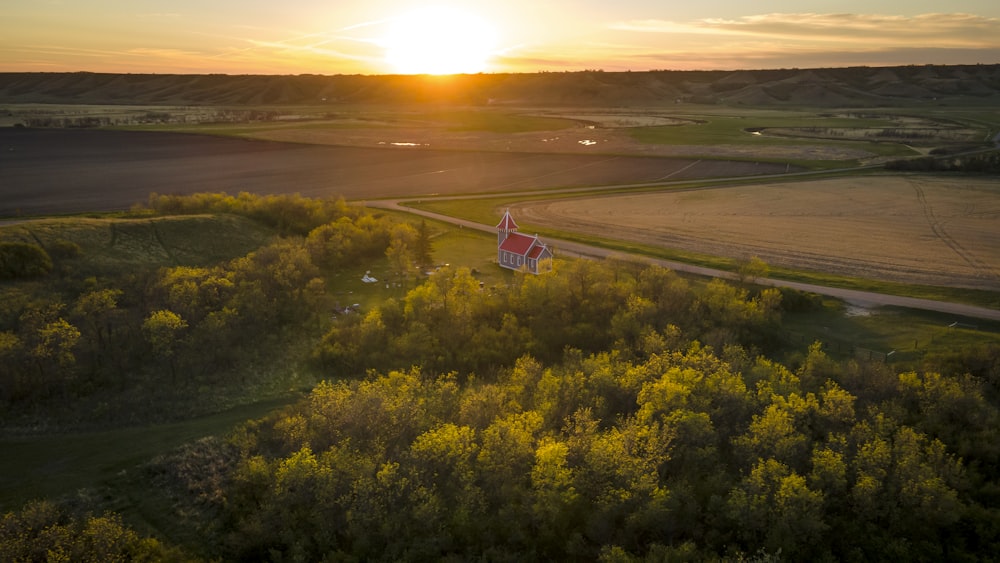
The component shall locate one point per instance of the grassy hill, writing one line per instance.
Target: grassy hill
(103, 245)
(834, 87)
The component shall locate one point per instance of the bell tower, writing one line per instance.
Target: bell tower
(505, 227)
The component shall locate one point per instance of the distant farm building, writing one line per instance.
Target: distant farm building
(521, 252)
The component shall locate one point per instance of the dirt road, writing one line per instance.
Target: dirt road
(860, 298)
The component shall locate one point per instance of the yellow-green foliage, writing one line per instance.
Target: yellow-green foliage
(23, 260)
(595, 454)
(42, 532)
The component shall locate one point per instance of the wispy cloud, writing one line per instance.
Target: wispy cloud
(804, 40)
(944, 30)
(316, 48)
(159, 16)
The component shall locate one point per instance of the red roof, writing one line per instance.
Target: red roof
(507, 223)
(518, 243)
(537, 251)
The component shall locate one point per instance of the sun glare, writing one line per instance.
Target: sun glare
(439, 40)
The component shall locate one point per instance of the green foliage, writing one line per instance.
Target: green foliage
(161, 329)
(42, 532)
(210, 325)
(449, 322)
(606, 411)
(598, 455)
(752, 269)
(291, 214)
(22, 260)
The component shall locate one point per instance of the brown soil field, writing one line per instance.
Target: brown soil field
(45, 171)
(941, 231)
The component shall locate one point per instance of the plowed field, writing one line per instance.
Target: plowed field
(61, 171)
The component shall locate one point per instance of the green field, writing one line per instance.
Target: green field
(716, 129)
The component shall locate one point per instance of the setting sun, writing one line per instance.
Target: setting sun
(439, 40)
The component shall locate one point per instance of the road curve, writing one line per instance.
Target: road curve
(855, 297)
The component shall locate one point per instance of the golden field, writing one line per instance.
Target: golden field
(916, 229)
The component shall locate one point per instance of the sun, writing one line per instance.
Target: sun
(439, 40)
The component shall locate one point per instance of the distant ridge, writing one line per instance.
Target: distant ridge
(830, 87)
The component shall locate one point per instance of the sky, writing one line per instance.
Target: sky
(399, 36)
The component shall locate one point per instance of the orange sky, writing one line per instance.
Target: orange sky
(395, 36)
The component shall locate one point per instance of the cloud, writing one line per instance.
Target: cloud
(804, 40)
(158, 15)
(943, 30)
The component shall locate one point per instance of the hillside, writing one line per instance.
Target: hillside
(839, 87)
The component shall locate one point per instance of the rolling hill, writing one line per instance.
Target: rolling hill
(832, 87)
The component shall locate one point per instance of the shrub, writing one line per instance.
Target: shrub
(63, 248)
(23, 260)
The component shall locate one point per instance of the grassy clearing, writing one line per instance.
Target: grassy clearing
(114, 246)
(906, 336)
(457, 246)
(61, 465)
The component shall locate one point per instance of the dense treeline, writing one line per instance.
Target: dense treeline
(665, 451)
(107, 342)
(43, 531)
(451, 323)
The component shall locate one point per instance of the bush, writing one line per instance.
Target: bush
(23, 260)
(63, 248)
(796, 301)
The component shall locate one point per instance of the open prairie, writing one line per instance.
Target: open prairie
(81, 170)
(917, 229)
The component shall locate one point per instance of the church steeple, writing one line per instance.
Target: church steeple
(505, 227)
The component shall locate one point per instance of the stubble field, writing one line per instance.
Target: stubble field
(927, 230)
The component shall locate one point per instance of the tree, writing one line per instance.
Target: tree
(53, 350)
(556, 505)
(162, 330)
(401, 252)
(97, 310)
(422, 245)
(40, 531)
(23, 260)
(749, 270)
(775, 510)
(12, 381)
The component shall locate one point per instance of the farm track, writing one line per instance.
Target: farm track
(937, 226)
